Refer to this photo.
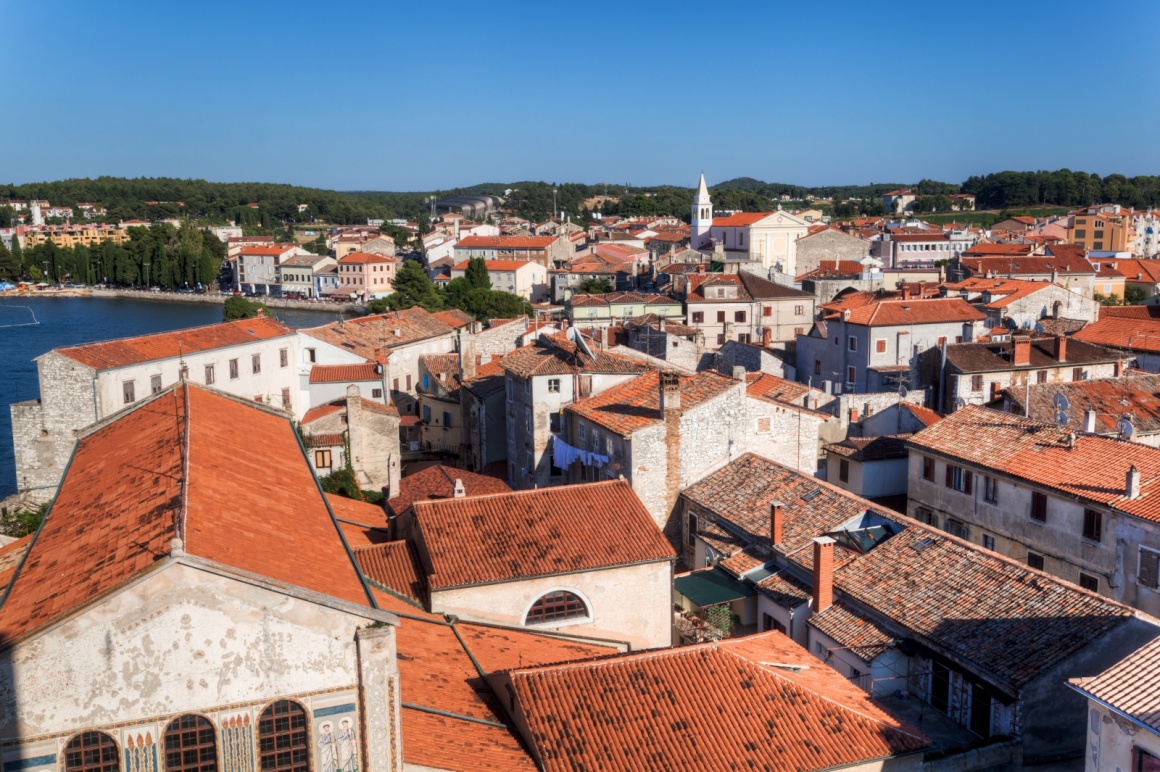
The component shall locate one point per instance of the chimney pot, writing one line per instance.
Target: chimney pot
(459, 492)
(823, 574)
(738, 372)
(854, 415)
(1060, 348)
(1022, 351)
(1089, 421)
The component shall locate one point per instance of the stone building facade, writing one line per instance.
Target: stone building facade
(829, 244)
(366, 429)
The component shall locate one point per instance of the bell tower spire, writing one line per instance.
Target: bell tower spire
(702, 215)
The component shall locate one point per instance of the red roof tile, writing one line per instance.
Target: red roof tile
(506, 242)
(393, 565)
(740, 219)
(438, 482)
(636, 404)
(693, 708)
(558, 357)
(498, 265)
(370, 337)
(165, 345)
(523, 534)
(344, 373)
(915, 311)
(455, 318)
(119, 504)
(1131, 686)
(1123, 332)
(365, 258)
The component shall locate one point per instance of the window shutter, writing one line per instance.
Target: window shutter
(1149, 568)
(969, 478)
(950, 476)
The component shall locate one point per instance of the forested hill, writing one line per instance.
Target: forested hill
(156, 198)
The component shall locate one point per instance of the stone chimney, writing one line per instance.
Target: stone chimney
(670, 385)
(466, 355)
(1132, 483)
(1060, 348)
(776, 523)
(1089, 421)
(739, 373)
(766, 337)
(459, 491)
(823, 574)
(1021, 351)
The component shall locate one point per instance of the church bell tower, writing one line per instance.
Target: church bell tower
(702, 219)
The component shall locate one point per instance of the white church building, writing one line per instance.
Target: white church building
(764, 243)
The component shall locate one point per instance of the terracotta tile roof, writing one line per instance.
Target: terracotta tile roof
(1094, 469)
(915, 311)
(500, 648)
(988, 248)
(497, 265)
(276, 249)
(558, 357)
(881, 448)
(833, 268)
(742, 562)
(1013, 621)
(433, 741)
(1139, 271)
(364, 258)
(357, 511)
(864, 638)
(924, 414)
(98, 536)
(326, 439)
(1063, 264)
(314, 413)
(455, 318)
(610, 298)
(438, 482)
(691, 708)
(1131, 686)
(749, 288)
(766, 386)
(322, 411)
(654, 321)
(166, 345)
(10, 556)
(1136, 395)
(636, 404)
(996, 356)
(740, 219)
(784, 590)
(394, 565)
(1123, 332)
(369, 336)
(344, 373)
(506, 242)
(523, 534)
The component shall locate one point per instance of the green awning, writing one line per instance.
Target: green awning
(711, 587)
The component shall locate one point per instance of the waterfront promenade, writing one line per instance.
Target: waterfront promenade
(184, 297)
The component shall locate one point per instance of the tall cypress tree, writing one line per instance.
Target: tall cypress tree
(9, 268)
(18, 256)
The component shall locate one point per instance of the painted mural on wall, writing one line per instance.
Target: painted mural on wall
(336, 739)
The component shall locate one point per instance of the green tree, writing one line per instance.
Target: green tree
(238, 307)
(7, 216)
(594, 286)
(9, 267)
(1134, 295)
(476, 273)
(18, 255)
(413, 287)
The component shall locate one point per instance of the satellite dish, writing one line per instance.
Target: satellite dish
(573, 334)
(960, 403)
(1125, 428)
(1060, 402)
(1061, 418)
(902, 391)
(1039, 328)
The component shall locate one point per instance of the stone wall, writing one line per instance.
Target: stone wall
(754, 359)
(374, 441)
(828, 245)
(497, 341)
(784, 433)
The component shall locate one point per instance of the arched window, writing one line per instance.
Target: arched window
(190, 745)
(282, 740)
(555, 607)
(91, 752)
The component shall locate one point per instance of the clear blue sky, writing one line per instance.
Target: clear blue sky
(391, 95)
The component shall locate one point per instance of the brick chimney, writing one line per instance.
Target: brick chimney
(766, 337)
(776, 523)
(1021, 355)
(823, 574)
(905, 291)
(1060, 348)
(670, 386)
(1132, 483)
(854, 415)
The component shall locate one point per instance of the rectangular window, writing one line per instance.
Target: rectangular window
(851, 376)
(283, 357)
(285, 399)
(988, 542)
(799, 310)
(698, 317)
(721, 339)
(817, 367)
(1148, 572)
(739, 316)
(155, 384)
(880, 346)
(1093, 524)
(844, 470)
(1077, 374)
(128, 392)
(692, 530)
(394, 384)
(209, 375)
(447, 418)
(768, 311)
(427, 413)
(1039, 506)
(1143, 761)
(924, 515)
(742, 337)
(1080, 234)
(957, 528)
(322, 459)
(769, 623)
(721, 317)
(1089, 582)
(1041, 376)
(583, 434)
(1035, 560)
(928, 468)
(554, 422)
(256, 364)
(234, 368)
(310, 355)
(553, 385)
(990, 490)
(409, 382)
(976, 383)
(853, 342)
(377, 393)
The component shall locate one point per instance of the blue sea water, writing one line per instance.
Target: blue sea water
(70, 321)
